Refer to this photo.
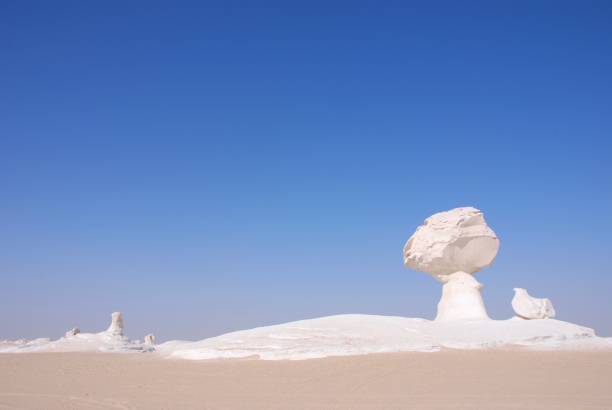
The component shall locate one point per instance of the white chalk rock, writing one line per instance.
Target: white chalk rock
(461, 299)
(149, 340)
(458, 240)
(116, 326)
(72, 332)
(528, 307)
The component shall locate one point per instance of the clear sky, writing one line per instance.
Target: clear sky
(206, 167)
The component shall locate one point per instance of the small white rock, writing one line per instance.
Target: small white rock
(528, 307)
(72, 332)
(149, 340)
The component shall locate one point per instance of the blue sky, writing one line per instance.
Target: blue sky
(206, 167)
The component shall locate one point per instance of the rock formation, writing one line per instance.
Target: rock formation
(452, 246)
(72, 332)
(116, 326)
(149, 339)
(528, 307)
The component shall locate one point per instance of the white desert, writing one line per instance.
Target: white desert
(461, 359)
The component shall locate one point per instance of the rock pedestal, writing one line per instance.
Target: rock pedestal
(461, 298)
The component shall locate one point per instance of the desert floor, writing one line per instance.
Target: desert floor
(443, 380)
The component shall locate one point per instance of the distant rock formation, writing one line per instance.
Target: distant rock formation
(528, 307)
(116, 326)
(109, 340)
(149, 339)
(72, 332)
(451, 246)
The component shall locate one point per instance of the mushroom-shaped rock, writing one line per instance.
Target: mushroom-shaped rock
(528, 307)
(72, 332)
(149, 340)
(451, 246)
(116, 326)
(458, 240)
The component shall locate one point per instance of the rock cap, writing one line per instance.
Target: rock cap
(452, 241)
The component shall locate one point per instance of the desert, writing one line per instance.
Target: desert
(493, 379)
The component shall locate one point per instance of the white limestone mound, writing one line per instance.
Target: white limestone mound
(346, 335)
(528, 307)
(307, 339)
(110, 340)
(452, 241)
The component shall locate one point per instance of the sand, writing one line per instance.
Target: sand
(492, 379)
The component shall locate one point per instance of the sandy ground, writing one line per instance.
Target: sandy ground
(443, 380)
